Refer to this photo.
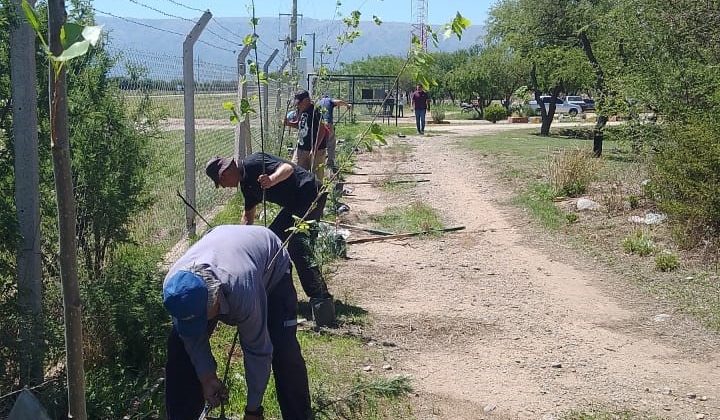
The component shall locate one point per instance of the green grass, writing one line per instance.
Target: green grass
(335, 374)
(207, 105)
(537, 199)
(415, 217)
(638, 243)
(603, 414)
(350, 132)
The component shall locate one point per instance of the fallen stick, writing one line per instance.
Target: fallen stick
(403, 235)
(365, 229)
(390, 173)
(404, 181)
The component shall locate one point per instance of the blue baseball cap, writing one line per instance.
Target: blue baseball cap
(185, 297)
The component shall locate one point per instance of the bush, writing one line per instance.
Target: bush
(638, 243)
(572, 171)
(438, 115)
(495, 113)
(685, 177)
(666, 261)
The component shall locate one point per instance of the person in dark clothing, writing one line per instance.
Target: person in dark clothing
(239, 275)
(421, 104)
(311, 148)
(297, 191)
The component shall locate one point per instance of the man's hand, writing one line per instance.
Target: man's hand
(265, 181)
(214, 391)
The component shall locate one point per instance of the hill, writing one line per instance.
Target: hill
(224, 35)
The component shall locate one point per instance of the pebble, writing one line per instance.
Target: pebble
(661, 317)
(556, 365)
(667, 391)
(703, 398)
(489, 408)
(691, 396)
(387, 367)
(368, 368)
(700, 416)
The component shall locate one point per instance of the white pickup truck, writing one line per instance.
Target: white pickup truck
(561, 106)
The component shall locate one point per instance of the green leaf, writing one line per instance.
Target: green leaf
(92, 34)
(31, 16)
(377, 20)
(249, 40)
(229, 105)
(459, 24)
(75, 50)
(70, 33)
(254, 21)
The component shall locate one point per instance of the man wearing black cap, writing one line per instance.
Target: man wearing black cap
(239, 275)
(296, 191)
(311, 148)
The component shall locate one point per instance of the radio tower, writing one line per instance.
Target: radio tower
(419, 18)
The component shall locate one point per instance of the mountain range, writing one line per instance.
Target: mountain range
(222, 39)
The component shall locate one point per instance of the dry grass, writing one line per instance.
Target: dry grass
(570, 171)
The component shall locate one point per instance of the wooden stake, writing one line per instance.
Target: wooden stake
(403, 235)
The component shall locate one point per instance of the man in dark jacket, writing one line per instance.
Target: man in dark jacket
(297, 192)
(239, 275)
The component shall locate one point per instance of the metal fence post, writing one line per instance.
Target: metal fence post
(189, 115)
(266, 112)
(242, 128)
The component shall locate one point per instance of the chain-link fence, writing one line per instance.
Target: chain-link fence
(155, 82)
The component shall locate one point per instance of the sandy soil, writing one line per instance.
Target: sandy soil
(501, 320)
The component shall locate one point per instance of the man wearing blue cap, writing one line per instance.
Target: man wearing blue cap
(239, 275)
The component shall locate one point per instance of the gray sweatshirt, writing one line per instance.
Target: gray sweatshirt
(239, 256)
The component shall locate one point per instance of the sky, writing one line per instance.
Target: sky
(439, 11)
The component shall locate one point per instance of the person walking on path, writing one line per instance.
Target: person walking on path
(421, 104)
(311, 149)
(327, 105)
(296, 191)
(239, 275)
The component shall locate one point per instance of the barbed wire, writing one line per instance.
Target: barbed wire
(172, 16)
(194, 9)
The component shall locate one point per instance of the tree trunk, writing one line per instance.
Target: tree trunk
(545, 127)
(27, 199)
(601, 89)
(59, 143)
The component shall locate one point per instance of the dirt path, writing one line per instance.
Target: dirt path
(494, 322)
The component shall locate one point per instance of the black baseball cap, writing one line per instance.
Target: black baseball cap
(215, 168)
(300, 95)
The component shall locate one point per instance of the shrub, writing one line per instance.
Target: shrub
(572, 171)
(571, 217)
(495, 113)
(438, 115)
(666, 261)
(685, 177)
(638, 243)
(634, 201)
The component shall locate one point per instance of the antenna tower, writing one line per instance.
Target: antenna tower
(419, 19)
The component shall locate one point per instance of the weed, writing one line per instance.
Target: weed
(634, 201)
(614, 199)
(438, 115)
(415, 217)
(571, 217)
(571, 171)
(604, 414)
(495, 113)
(638, 243)
(666, 261)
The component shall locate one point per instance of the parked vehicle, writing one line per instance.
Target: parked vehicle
(589, 104)
(561, 106)
(577, 100)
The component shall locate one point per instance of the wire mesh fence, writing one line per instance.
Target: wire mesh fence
(156, 81)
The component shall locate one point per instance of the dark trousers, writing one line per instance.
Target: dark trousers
(183, 391)
(420, 119)
(300, 245)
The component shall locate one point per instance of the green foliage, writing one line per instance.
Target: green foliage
(571, 217)
(638, 243)
(572, 170)
(437, 115)
(666, 261)
(495, 113)
(685, 177)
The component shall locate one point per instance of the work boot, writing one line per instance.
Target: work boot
(323, 311)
